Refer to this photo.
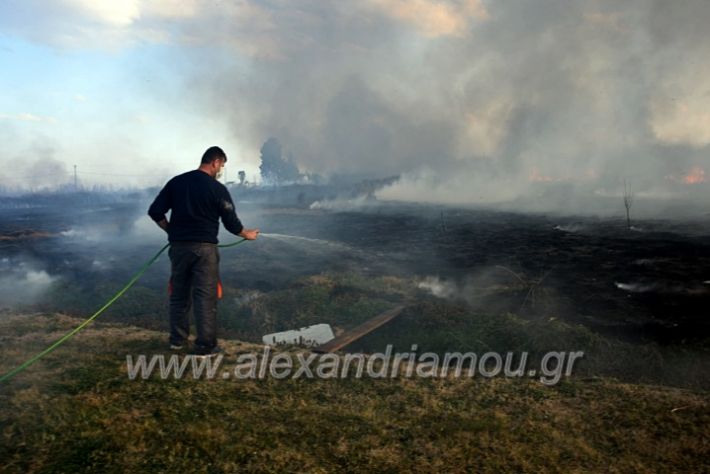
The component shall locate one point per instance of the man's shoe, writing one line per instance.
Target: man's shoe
(176, 347)
(216, 350)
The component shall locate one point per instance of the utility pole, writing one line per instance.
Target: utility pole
(628, 201)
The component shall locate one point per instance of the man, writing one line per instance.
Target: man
(197, 201)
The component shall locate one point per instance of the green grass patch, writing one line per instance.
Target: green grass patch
(78, 412)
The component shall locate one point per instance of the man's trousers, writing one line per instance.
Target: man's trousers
(194, 279)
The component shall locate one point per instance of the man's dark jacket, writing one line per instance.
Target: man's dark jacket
(197, 201)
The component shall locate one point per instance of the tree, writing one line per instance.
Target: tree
(242, 177)
(273, 167)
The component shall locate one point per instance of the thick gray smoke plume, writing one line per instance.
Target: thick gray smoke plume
(468, 100)
(478, 101)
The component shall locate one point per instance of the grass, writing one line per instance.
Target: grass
(76, 411)
(347, 299)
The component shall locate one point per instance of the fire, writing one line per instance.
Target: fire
(696, 176)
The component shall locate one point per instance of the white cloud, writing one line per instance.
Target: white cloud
(97, 24)
(110, 12)
(171, 8)
(28, 117)
(434, 18)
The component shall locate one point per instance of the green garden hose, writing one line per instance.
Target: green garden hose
(113, 299)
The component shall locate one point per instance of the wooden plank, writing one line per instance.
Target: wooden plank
(359, 331)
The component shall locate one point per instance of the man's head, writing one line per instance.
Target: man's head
(213, 161)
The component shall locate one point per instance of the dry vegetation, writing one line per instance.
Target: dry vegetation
(76, 411)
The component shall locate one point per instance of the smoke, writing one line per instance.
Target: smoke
(431, 186)
(342, 204)
(571, 228)
(36, 167)
(124, 230)
(484, 108)
(23, 281)
(467, 100)
(664, 287)
(439, 288)
(486, 283)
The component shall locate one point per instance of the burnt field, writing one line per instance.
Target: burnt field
(648, 286)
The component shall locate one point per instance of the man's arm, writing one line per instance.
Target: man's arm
(160, 206)
(231, 221)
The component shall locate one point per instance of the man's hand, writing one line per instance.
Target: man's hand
(163, 224)
(249, 234)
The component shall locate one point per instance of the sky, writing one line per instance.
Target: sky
(467, 101)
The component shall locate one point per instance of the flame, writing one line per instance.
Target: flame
(696, 176)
